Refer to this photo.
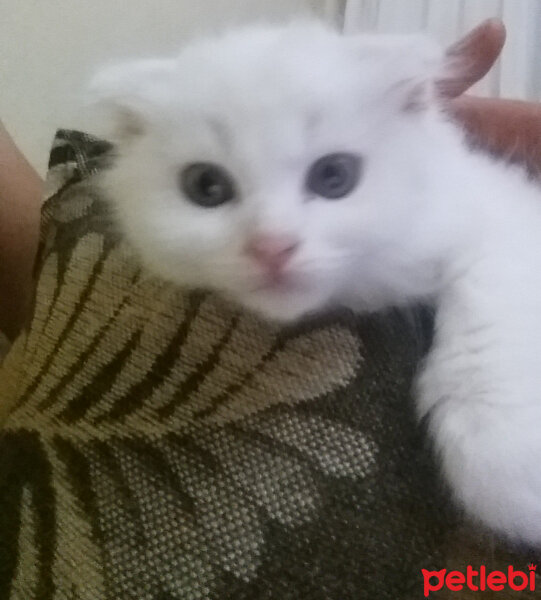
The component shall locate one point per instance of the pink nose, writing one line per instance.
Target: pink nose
(272, 251)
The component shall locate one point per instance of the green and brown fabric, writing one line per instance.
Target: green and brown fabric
(159, 444)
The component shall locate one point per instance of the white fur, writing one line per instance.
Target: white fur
(429, 221)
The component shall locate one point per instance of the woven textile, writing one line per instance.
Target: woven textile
(160, 444)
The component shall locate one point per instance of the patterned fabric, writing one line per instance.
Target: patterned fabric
(159, 444)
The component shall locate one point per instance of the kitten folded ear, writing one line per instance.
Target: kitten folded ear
(415, 71)
(419, 63)
(402, 69)
(125, 96)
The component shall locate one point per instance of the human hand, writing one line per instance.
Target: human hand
(507, 128)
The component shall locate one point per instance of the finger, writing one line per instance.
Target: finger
(472, 57)
(510, 129)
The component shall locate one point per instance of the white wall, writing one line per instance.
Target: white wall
(48, 48)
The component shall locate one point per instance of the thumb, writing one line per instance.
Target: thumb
(472, 57)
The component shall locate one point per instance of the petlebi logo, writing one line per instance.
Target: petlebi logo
(479, 580)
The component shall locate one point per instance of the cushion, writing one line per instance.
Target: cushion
(161, 444)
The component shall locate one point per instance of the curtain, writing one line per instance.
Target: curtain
(518, 72)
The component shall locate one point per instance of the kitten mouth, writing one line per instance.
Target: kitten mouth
(279, 283)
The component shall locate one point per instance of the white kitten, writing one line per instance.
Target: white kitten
(291, 168)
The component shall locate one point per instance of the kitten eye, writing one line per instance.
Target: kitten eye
(334, 176)
(206, 184)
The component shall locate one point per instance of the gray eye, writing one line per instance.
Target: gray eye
(335, 175)
(206, 184)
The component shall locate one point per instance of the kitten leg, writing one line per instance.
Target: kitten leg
(481, 389)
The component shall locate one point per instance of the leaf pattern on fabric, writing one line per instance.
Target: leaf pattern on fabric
(162, 444)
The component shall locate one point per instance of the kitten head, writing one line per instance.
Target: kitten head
(274, 164)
